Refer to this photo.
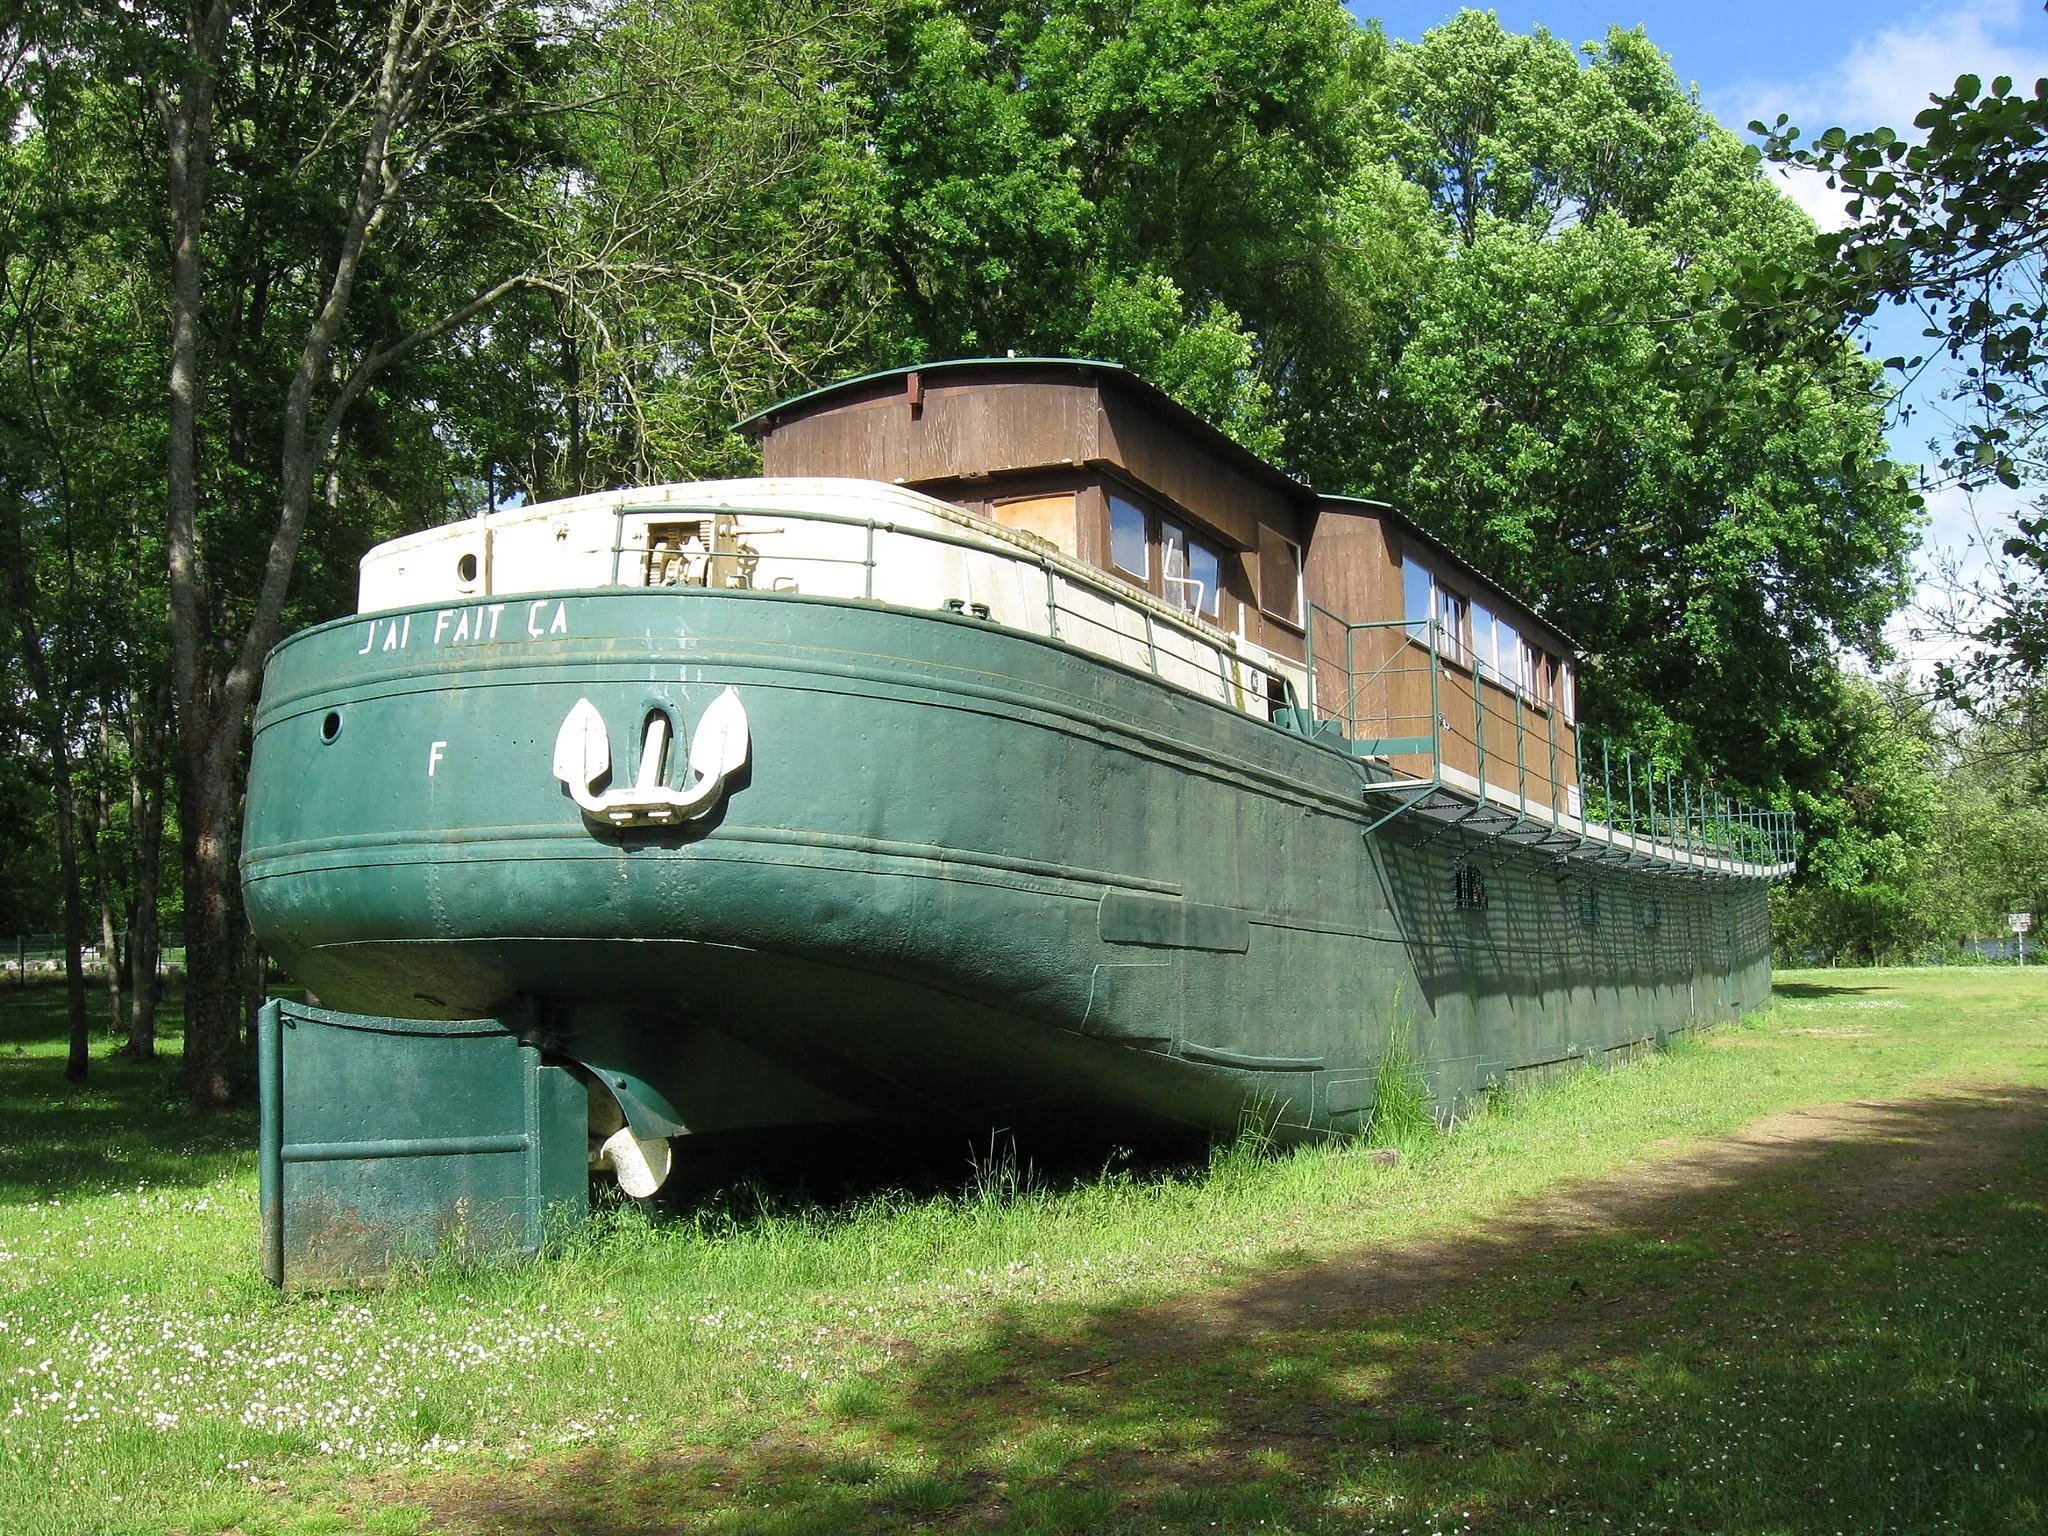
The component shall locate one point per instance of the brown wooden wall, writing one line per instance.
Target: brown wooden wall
(1377, 680)
(980, 442)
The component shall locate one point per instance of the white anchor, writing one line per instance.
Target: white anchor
(718, 750)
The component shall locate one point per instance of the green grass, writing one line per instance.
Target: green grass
(1841, 1330)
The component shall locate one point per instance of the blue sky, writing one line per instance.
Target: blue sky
(1822, 64)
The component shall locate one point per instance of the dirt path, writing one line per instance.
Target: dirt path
(1302, 1365)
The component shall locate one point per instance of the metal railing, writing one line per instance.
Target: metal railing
(1645, 804)
(42, 954)
(1526, 759)
(1217, 658)
(1391, 710)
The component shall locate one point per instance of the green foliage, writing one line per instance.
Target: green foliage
(1487, 276)
(1148, 185)
(1926, 832)
(702, 246)
(1953, 226)
(1403, 1108)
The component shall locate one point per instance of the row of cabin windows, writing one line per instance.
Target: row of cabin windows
(1154, 550)
(1144, 545)
(1160, 553)
(1472, 634)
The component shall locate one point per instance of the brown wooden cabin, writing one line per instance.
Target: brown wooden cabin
(1120, 476)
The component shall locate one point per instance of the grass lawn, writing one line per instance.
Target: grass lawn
(1792, 1277)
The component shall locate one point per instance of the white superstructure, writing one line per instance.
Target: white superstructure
(849, 539)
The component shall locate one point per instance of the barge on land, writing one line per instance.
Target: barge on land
(1018, 751)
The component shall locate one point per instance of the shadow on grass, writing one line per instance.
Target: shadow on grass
(126, 1124)
(1835, 1328)
(1804, 989)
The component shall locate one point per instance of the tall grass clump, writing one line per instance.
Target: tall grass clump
(1245, 1155)
(1403, 1109)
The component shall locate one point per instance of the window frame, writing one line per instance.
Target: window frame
(1157, 578)
(1539, 675)
(1271, 542)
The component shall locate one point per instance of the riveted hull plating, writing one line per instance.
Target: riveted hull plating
(967, 875)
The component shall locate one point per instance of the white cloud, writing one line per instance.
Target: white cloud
(1884, 80)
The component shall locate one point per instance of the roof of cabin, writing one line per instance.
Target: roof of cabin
(1106, 375)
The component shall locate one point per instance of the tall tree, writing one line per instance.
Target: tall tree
(42, 544)
(318, 164)
(1152, 183)
(1554, 393)
(1954, 225)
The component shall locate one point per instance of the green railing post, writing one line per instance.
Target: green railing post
(1052, 602)
(1351, 681)
(1521, 765)
(1550, 731)
(1606, 784)
(1628, 769)
(1478, 725)
(1436, 711)
(1308, 651)
(868, 577)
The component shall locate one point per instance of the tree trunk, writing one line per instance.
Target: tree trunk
(78, 1062)
(214, 701)
(204, 795)
(146, 816)
(213, 947)
(52, 723)
(103, 885)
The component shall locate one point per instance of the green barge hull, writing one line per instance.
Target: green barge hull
(969, 876)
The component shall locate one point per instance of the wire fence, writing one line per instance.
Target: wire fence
(40, 956)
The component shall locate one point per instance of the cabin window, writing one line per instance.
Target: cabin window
(1279, 577)
(1507, 657)
(1173, 564)
(1568, 691)
(1417, 594)
(1450, 618)
(1056, 519)
(1190, 571)
(1535, 678)
(1193, 572)
(1484, 659)
(1423, 598)
(1128, 545)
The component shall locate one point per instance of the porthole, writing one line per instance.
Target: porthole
(330, 726)
(1589, 904)
(465, 568)
(1653, 912)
